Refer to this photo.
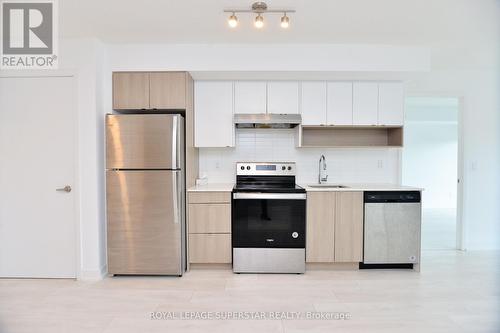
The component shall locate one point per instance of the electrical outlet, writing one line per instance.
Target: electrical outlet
(217, 165)
(380, 164)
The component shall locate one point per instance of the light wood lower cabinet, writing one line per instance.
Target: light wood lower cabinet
(209, 248)
(209, 227)
(349, 227)
(320, 233)
(334, 227)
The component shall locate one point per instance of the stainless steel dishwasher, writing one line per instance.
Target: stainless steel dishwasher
(392, 228)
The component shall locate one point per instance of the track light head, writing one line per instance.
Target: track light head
(232, 21)
(285, 21)
(259, 21)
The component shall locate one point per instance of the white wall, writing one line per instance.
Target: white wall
(84, 58)
(278, 145)
(268, 57)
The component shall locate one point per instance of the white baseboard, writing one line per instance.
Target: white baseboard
(94, 275)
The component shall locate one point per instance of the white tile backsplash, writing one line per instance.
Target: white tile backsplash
(356, 165)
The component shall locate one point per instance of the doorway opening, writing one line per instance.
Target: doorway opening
(430, 160)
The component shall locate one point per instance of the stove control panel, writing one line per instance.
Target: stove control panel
(265, 168)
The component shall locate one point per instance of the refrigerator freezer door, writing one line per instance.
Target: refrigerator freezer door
(149, 141)
(145, 228)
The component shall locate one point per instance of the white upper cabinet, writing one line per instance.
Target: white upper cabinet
(213, 106)
(250, 97)
(332, 103)
(339, 103)
(365, 104)
(283, 97)
(390, 104)
(313, 103)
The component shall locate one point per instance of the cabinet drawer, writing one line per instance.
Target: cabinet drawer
(210, 248)
(209, 218)
(209, 197)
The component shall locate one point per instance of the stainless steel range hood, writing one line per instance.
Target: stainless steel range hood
(264, 120)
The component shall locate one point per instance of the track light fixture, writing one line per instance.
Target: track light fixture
(259, 8)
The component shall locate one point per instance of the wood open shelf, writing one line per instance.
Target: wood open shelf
(350, 136)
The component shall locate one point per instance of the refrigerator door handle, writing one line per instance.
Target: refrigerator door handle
(175, 194)
(174, 142)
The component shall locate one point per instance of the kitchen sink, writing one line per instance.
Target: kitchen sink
(328, 185)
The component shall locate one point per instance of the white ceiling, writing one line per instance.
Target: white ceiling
(407, 22)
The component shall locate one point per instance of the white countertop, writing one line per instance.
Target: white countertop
(362, 187)
(213, 187)
(228, 187)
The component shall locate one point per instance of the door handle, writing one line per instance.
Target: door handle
(175, 194)
(66, 188)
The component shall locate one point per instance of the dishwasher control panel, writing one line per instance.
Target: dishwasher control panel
(392, 196)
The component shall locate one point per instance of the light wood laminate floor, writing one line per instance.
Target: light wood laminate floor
(454, 292)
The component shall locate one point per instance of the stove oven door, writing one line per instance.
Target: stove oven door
(268, 220)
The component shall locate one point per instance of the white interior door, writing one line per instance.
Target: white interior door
(37, 156)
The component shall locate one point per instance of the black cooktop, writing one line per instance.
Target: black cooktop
(263, 189)
(267, 184)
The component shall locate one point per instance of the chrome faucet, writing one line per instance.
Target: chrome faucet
(322, 176)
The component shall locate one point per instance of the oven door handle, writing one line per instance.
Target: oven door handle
(270, 196)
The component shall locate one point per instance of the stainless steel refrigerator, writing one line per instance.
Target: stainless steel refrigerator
(145, 194)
